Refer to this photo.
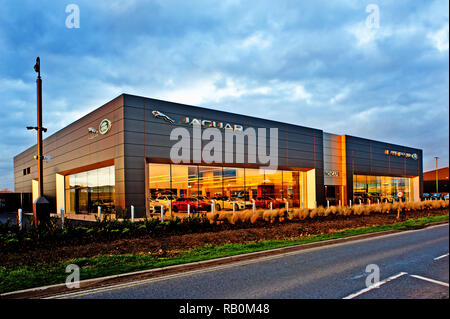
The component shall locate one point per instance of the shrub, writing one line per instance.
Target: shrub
(385, 208)
(347, 211)
(319, 211)
(340, 210)
(358, 210)
(267, 214)
(304, 213)
(293, 214)
(12, 237)
(212, 217)
(225, 216)
(258, 215)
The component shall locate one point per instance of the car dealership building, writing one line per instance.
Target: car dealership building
(120, 155)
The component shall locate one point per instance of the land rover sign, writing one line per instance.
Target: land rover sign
(104, 126)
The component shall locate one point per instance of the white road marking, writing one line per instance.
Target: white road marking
(377, 285)
(440, 257)
(431, 280)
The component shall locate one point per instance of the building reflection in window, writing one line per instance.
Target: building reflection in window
(86, 191)
(292, 190)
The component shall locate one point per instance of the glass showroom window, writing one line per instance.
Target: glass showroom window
(273, 184)
(86, 191)
(159, 180)
(234, 190)
(161, 192)
(380, 188)
(184, 180)
(254, 183)
(292, 189)
(198, 186)
(401, 184)
(210, 181)
(234, 182)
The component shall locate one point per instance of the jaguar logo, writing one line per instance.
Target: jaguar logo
(159, 115)
(202, 123)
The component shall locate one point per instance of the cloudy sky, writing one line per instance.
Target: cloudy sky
(323, 64)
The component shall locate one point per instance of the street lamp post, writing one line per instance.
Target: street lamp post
(437, 187)
(41, 206)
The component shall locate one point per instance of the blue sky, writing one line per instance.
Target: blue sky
(311, 63)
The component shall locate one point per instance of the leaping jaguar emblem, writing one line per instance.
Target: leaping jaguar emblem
(159, 115)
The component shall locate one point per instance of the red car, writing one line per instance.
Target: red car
(264, 202)
(181, 204)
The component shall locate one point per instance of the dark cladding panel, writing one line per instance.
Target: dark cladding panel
(146, 134)
(367, 157)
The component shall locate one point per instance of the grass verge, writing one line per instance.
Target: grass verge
(23, 277)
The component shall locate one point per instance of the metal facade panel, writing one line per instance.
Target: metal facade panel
(367, 157)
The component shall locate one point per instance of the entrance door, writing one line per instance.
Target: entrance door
(81, 200)
(332, 194)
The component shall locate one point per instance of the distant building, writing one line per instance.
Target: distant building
(10, 202)
(429, 180)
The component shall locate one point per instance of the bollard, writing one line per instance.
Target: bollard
(19, 213)
(350, 203)
(162, 213)
(328, 204)
(99, 213)
(271, 206)
(287, 207)
(189, 210)
(369, 201)
(253, 205)
(213, 206)
(62, 218)
(132, 213)
(234, 208)
(359, 202)
(339, 203)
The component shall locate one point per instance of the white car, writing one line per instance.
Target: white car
(163, 200)
(227, 203)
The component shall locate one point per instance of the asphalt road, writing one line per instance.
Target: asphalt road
(335, 271)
